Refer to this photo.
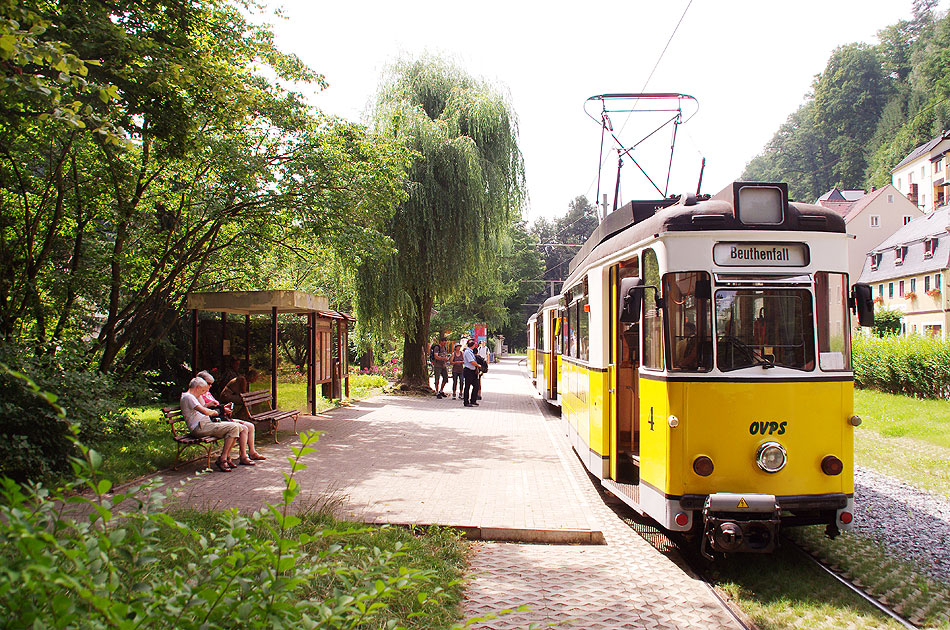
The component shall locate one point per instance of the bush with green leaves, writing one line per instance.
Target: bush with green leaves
(93, 559)
(887, 322)
(912, 365)
(34, 440)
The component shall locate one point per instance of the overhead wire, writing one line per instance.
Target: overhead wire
(642, 89)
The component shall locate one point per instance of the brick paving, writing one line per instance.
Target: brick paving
(503, 472)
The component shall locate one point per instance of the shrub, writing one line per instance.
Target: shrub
(118, 561)
(34, 440)
(913, 365)
(887, 322)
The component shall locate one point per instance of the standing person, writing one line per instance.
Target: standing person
(470, 372)
(458, 363)
(439, 360)
(200, 423)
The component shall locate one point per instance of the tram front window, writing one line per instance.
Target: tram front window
(767, 327)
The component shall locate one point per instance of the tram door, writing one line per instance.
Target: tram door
(626, 359)
(554, 329)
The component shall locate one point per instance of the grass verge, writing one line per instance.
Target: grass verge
(905, 438)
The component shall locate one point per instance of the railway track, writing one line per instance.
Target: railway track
(686, 554)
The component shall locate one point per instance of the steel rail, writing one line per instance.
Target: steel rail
(881, 607)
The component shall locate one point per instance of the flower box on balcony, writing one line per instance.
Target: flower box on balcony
(910, 295)
(933, 293)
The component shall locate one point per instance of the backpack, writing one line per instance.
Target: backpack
(481, 362)
(432, 354)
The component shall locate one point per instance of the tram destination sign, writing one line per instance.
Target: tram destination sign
(760, 254)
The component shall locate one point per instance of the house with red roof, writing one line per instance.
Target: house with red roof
(870, 219)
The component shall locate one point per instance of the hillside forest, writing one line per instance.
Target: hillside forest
(867, 110)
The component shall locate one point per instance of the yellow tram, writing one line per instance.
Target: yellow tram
(700, 351)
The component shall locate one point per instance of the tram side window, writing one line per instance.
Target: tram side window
(652, 316)
(583, 326)
(539, 335)
(570, 331)
(766, 327)
(831, 300)
(689, 317)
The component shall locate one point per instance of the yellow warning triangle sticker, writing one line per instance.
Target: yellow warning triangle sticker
(742, 503)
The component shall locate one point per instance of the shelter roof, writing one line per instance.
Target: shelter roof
(259, 302)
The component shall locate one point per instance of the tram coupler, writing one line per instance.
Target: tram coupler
(740, 523)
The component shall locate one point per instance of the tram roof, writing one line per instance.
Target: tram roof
(554, 300)
(638, 220)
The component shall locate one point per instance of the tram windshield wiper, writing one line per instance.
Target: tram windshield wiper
(753, 354)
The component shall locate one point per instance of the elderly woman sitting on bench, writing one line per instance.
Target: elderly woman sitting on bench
(201, 423)
(212, 403)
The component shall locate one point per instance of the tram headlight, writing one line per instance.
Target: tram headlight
(771, 457)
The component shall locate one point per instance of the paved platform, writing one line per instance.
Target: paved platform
(502, 471)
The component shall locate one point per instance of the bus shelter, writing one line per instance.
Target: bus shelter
(327, 334)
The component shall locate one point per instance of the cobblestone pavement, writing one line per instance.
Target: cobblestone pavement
(504, 472)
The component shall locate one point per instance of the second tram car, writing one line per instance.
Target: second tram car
(700, 350)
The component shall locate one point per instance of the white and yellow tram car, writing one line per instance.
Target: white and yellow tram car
(706, 357)
(532, 347)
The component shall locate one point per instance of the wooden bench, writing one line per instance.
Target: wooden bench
(173, 416)
(268, 415)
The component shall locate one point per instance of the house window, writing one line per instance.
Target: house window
(890, 289)
(898, 183)
(932, 330)
(900, 289)
(930, 246)
(937, 280)
(923, 201)
(875, 220)
(913, 285)
(910, 177)
(890, 199)
(880, 290)
(937, 166)
(926, 283)
(907, 219)
(875, 261)
(899, 256)
(923, 173)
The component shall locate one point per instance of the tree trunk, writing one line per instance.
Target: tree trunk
(415, 372)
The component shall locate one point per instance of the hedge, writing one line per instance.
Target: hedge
(913, 365)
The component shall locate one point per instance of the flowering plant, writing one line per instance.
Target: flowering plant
(910, 295)
(879, 299)
(933, 292)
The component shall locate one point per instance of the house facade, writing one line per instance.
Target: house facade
(907, 273)
(870, 219)
(923, 176)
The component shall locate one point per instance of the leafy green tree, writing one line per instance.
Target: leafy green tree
(467, 182)
(849, 97)
(219, 162)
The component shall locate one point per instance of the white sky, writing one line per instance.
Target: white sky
(748, 62)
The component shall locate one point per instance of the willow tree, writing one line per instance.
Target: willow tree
(466, 184)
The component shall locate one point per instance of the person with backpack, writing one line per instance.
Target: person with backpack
(482, 368)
